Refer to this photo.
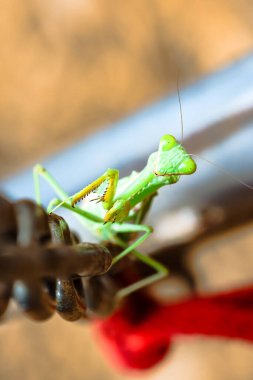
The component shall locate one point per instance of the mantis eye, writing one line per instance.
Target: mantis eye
(167, 142)
(188, 166)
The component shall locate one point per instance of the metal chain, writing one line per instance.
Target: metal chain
(45, 269)
(42, 266)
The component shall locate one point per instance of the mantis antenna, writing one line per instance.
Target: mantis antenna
(223, 170)
(181, 113)
(203, 158)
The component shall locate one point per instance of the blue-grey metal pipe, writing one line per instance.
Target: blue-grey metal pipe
(212, 100)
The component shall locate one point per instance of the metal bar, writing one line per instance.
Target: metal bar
(212, 100)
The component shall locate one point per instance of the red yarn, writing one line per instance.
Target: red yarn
(140, 335)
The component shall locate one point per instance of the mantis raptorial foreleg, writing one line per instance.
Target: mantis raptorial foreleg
(111, 178)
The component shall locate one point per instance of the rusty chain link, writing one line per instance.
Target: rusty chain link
(45, 269)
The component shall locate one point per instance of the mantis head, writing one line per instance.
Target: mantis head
(172, 158)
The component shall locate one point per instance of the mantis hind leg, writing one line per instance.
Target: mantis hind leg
(161, 272)
(160, 269)
(129, 228)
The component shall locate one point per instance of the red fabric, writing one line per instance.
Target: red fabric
(140, 333)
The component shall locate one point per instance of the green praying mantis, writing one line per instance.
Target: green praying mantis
(121, 204)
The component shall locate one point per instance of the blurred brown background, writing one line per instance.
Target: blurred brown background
(68, 67)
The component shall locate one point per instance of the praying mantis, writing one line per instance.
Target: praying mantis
(121, 204)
